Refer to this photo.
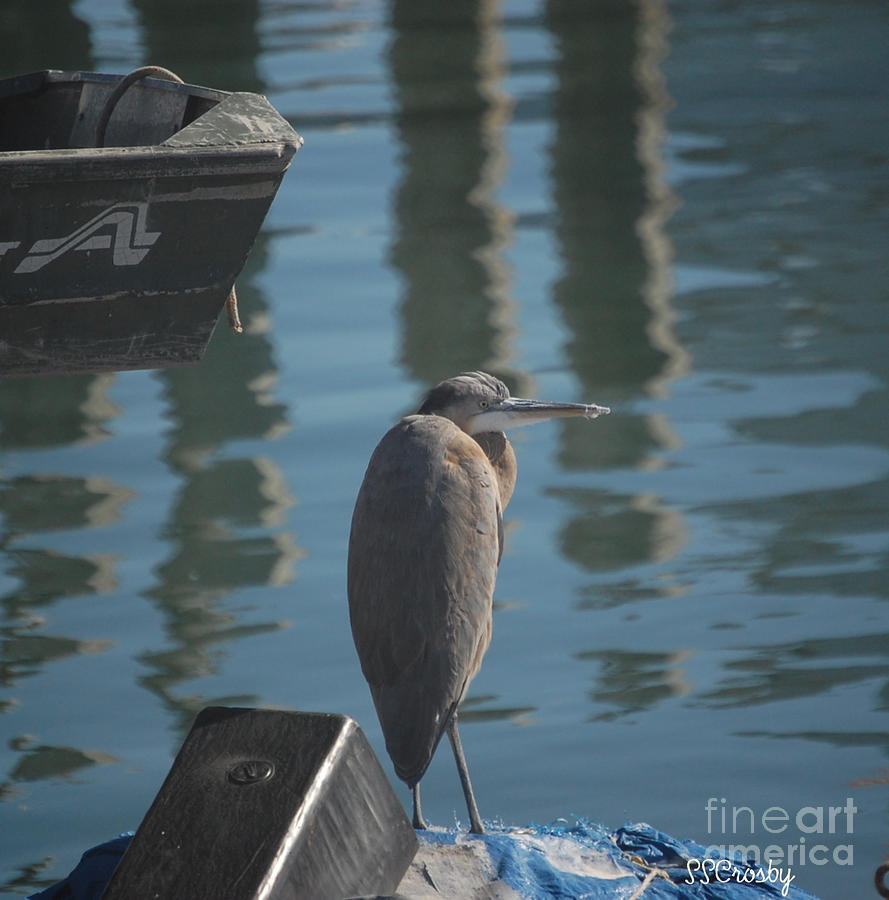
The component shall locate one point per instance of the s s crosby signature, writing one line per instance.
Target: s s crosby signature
(722, 871)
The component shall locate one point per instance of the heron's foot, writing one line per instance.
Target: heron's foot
(419, 821)
(477, 828)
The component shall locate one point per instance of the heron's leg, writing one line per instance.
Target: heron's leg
(475, 820)
(419, 821)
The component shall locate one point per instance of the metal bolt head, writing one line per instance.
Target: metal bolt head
(251, 771)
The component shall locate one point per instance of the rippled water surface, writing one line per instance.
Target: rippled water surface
(677, 209)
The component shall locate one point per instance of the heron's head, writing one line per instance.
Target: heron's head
(478, 402)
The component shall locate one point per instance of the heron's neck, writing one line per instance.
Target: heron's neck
(499, 451)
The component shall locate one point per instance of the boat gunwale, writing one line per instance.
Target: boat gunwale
(76, 76)
(250, 148)
(20, 168)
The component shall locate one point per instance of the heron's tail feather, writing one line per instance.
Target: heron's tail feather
(412, 730)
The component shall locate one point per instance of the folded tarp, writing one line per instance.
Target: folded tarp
(562, 860)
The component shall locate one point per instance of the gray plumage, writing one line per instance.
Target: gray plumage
(425, 544)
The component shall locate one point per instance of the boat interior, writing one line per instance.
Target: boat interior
(62, 111)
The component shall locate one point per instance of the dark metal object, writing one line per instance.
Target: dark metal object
(123, 256)
(309, 814)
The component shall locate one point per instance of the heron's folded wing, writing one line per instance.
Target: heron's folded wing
(423, 556)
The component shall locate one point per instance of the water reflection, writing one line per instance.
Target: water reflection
(26, 650)
(617, 532)
(230, 396)
(225, 527)
(802, 669)
(445, 62)
(28, 44)
(615, 288)
(479, 708)
(40, 761)
(634, 681)
(604, 172)
(30, 878)
(31, 508)
(208, 45)
(830, 541)
(55, 411)
(41, 503)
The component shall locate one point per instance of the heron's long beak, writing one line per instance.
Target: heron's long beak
(515, 412)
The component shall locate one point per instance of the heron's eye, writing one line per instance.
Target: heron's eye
(483, 404)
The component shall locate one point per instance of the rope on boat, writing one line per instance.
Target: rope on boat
(122, 87)
(231, 308)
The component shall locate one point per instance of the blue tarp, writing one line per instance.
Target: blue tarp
(551, 862)
(588, 860)
(90, 876)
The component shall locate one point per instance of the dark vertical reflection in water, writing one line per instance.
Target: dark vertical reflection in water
(211, 43)
(49, 413)
(47, 35)
(614, 288)
(224, 526)
(631, 681)
(444, 60)
(54, 411)
(46, 414)
(601, 192)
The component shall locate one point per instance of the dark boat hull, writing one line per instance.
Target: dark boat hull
(123, 256)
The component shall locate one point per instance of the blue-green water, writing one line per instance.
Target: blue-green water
(676, 209)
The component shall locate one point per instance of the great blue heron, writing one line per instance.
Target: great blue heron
(426, 540)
